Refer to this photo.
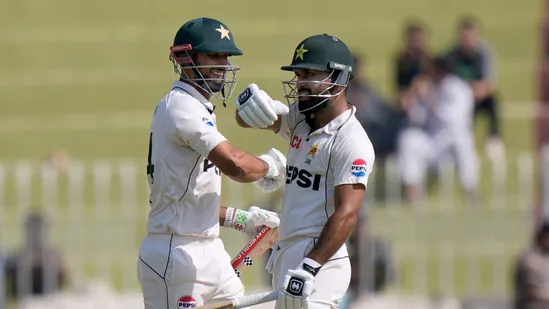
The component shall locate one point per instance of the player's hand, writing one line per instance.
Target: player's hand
(268, 185)
(257, 109)
(276, 175)
(259, 218)
(277, 163)
(251, 221)
(298, 286)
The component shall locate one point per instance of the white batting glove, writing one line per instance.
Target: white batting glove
(276, 175)
(298, 286)
(251, 221)
(268, 185)
(277, 163)
(260, 218)
(257, 109)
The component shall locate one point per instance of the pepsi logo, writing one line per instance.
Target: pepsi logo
(186, 302)
(358, 168)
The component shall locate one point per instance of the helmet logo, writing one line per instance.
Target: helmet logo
(224, 32)
(300, 52)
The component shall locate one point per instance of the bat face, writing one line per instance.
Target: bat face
(254, 249)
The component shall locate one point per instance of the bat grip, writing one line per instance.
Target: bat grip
(248, 301)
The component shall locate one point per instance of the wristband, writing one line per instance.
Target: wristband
(311, 266)
(229, 217)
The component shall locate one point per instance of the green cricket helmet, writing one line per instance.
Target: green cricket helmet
(205, 35)
(323, 53)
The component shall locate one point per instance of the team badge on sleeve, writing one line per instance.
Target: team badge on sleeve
(358, 168)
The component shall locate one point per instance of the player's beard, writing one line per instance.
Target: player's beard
(305, 103)
(213, 86)
(212, 82)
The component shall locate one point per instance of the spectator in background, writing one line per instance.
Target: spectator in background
(413, 59)
(380, 120)
(60, 160)
(532, 273)
(472, 60)
(440, 109)
(37, 269)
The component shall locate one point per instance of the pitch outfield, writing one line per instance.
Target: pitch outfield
(84, 77)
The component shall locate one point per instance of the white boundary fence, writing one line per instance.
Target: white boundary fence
(98, 210)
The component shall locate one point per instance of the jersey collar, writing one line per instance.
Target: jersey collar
(336, 123)
(194, 93)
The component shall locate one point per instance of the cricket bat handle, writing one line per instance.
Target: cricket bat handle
(243, 301)
(252, 300)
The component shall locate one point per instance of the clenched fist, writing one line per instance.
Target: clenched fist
(257, 109)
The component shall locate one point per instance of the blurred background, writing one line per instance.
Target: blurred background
(79, 81)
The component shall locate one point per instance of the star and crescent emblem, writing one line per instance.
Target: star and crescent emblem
(224, 32)
(313, 150)
(300, 52)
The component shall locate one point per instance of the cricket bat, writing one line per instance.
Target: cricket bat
(244, 301)
(262, 242)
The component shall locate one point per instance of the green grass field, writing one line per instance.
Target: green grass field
(84, 77)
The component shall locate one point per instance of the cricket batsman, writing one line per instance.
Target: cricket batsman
(329, 160)
(182, 261)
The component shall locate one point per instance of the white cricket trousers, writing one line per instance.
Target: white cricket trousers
(331, 282)
(417, 152)
(178, 272)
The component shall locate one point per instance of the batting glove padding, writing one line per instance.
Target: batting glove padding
(251, 221)
(276, 175)
(298, 286)
(257, 109)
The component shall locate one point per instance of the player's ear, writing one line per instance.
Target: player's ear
(190, 72)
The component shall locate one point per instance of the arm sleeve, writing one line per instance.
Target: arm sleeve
(352, 161)
(488, 63)
(186, 117)
(399, 79)
(450, 57)
(403, 73)
(289, 121)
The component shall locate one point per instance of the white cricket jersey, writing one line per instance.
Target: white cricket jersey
(317, 162)
(452, 106)
(185, 186)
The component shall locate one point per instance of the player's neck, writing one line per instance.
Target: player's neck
(199, 89)
(330, 112)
